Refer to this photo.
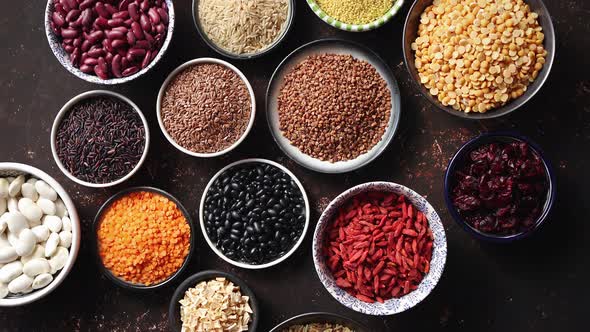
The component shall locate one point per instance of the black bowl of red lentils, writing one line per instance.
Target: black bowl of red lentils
(144, 238)
(500, 187)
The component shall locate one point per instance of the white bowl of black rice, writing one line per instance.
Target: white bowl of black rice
(100, 139)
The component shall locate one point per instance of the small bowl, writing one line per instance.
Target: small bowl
(173, 75)
(458, 160)
(411, 31)
(15, 169)
(126, 284)
(192, 281)
(225, 53)
(66, 108)
(242, 264)
(320, 317)
(335, 46)
(64, 58)
(355, 27)
(391, 306)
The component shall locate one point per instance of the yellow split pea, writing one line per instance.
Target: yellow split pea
(355, 11)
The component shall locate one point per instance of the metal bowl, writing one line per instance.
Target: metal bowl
(410, 33)
(64, 58)
(320, 317)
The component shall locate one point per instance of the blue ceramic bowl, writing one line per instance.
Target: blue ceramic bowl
(458, 160)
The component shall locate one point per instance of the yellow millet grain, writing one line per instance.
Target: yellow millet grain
(355, 11)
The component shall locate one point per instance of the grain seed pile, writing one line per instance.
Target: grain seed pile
(215, 306)
(356, 11)
(318, 327)
(478, 55)
(243, 26)
(334, 107)
(206, 108)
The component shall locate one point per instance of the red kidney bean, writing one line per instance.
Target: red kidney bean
(118, 43)
(107, 46)
(124, 63)
(110, 8)
(154, 54)
(122, 29)
(68, 41)
(108, 57)
(136, 28)
(77, 42)
(94, 37)
(123, 5)
(163, 15)
(101, 10)
(64, 5)
(60, 9)
(101, 23)
(115, 22)
(72, 4)
(68, 48)
(130, 38)
(142, 44)
(145, 23)
(90, 61)
(96, 52)
(72, 15)
(123, 14)
(86, 17)
(69, 33)
(128, 22)
(145, 5)
(75, 56)
(130, 71)
(160, 28)
(133, 11)
(58, 19)
(146, 59)
(86, 4)
(149, 38)
(100, 72)
(116, 66)
(86, 69)
(114, 34)
(154, 16)
(84, 56)
(86, 45)
(135, 53)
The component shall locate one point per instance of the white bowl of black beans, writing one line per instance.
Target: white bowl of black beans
(103, 145)
(254, 213)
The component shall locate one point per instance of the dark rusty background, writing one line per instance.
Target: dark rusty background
(539, 284)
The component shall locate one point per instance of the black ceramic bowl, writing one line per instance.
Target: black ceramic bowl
(192, 281)
(126, 284)
(268, 49)
(458, 160)
(320, 317)
(409, 35)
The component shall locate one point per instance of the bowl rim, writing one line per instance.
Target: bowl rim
(478, 141)
(76, 235)
(88, 95)
(56, 48)
(242, 264)
(497, 112)
(430, 280)
(96, 223)
(321, 316)
(208, 275)
(196, 62)
(246, 56)
(381, 21)
(393, 122)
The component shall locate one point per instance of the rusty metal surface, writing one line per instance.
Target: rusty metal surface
(536, 285)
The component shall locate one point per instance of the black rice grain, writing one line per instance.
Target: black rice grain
(100, 140)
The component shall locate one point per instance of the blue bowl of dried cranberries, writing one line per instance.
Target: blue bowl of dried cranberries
(500, 187)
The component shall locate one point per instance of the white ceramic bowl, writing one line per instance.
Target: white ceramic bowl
(355, 27)
(396, 305)
(241, 264)
(76, 100)
(190, 64)
(14, 169)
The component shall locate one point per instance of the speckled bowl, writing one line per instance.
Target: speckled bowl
(355, 27)
(392, 306)
(64, 58)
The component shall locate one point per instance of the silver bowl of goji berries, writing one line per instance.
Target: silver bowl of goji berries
(379, 248)
(110, 42)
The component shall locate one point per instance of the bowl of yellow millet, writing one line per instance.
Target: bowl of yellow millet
(355, 15)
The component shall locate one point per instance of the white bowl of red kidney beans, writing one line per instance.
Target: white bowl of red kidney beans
(254, 213)
(110, 41)
(100, 139)
(379, 248)
(500, 187)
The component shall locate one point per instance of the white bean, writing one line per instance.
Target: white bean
(14, 187)
(12, 204)
(42, 280)
(15, 221)
(26, 242)
(51, 245)
(59, 259)
(3, 290)
(65, 239)
(4, 188)
(3, 223)
(41, 232)
(4, 240)
(28, 289)
(10, 271)
(30, 210)
(47, 206)
(45, 190)
(66, 224)
(2, 205)
(39, 252)
(36, 266)
(32, 181)
(28, 190)
(60, 208)
(20, 284)
(12, 239)
(7, 254)
(54, 223)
